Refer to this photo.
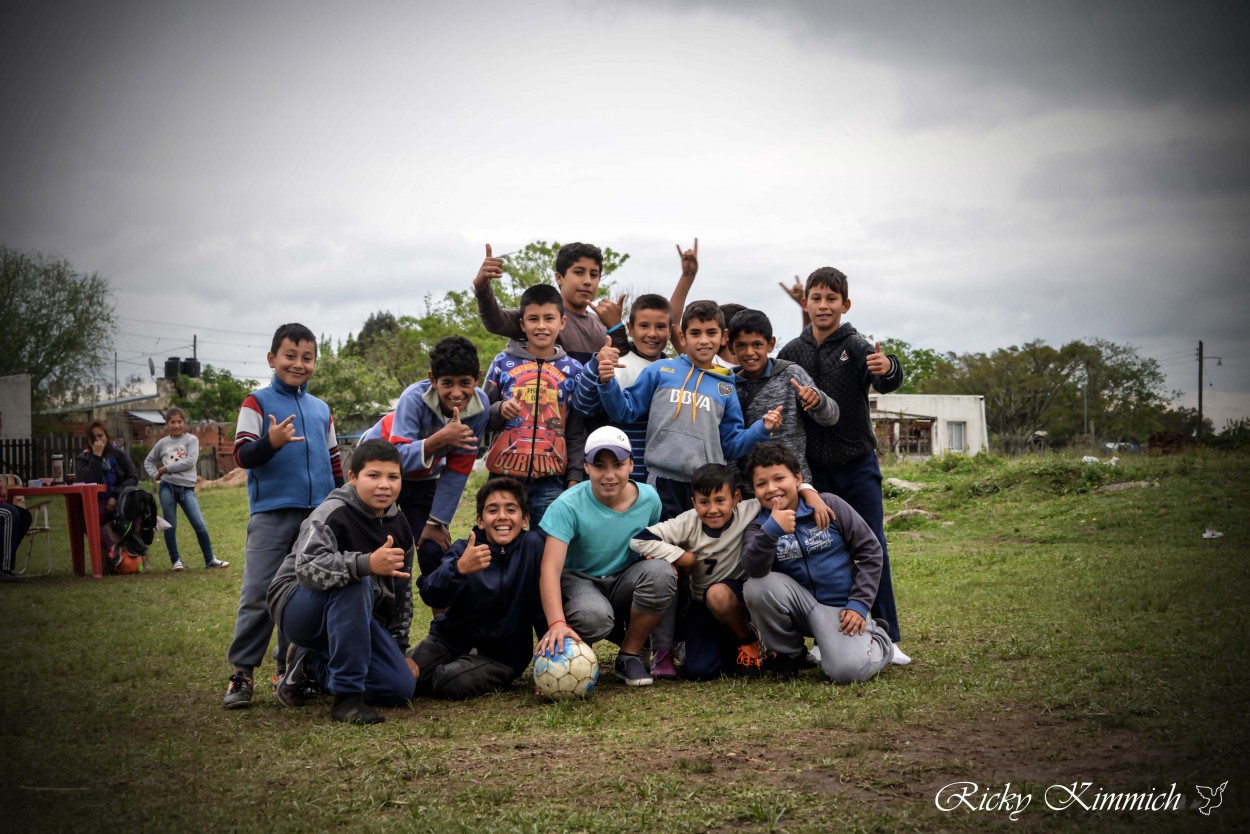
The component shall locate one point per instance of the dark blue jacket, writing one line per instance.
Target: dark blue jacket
(495, 610)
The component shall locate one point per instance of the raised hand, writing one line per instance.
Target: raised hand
(282, 433)
(388, 560)
(100, 444)
(689, 260)
(878, 363)
(808, 398)
(784, 518)
(795, 291)
(476, 557)
(609, 311)
(609, 360)
(772, 419)
(511, 408)
(490, 270)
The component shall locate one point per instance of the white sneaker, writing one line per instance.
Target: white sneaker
(179, 566)
(901, 658)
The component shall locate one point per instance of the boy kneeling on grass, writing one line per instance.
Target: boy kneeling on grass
(343, 596)
(808, 582)
(487, 590)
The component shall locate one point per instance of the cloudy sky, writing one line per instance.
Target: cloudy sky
(986, 173)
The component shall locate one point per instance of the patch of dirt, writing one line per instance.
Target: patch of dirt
(236, 477)
(1123, 485)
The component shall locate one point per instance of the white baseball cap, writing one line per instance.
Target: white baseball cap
(610, 438)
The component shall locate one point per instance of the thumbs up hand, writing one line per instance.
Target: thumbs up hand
(609, 360)
(808, 398)
(511, 408)
(784, 518)
(476, 557)
(772, 419)
(454, 434)
(388, 560)
(490, 270)
(878, 363)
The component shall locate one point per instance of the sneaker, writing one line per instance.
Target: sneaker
(748, 663)
(629, 668)
(296, 687)
(216, 563)
(662, 665)
(179, 566)
(781, 667)
(239, 692)
(352, 709)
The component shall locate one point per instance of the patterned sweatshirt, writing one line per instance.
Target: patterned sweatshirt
(772, 388)
(332, 550)
(839, 366)
(673, 395)
(178, 455)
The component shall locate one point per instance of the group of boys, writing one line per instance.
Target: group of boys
(614, 509)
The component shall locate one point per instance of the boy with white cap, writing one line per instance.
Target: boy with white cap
(593, 586)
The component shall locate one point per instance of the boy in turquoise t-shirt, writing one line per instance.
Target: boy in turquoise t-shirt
(593, 586)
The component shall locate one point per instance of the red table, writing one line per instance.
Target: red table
(82, 507)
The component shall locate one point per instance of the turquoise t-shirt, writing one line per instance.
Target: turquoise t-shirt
(598, 538)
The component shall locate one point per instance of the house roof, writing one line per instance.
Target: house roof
(149, 416)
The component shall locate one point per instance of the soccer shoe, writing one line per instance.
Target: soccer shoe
(296, 687)
(179, 566)
(662, 665)
(352, 709)
(216, 563)
(747, 664)
(629, 669)
(239, 692)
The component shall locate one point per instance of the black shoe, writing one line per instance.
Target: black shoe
(239, 692)
(298, 686)
(781, 667)
(352, 709)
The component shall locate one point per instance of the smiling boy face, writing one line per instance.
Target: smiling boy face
(751, 350)
(649, 330)
(717, 509)
(294, 362)
(825, 307)
(541, 324)
(377, 484)
(776, 482)
(454, 391)
(502, 517)
(704, 338)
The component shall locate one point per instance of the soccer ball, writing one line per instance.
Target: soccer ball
(570, 674)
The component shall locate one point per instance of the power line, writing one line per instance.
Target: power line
(194, 327)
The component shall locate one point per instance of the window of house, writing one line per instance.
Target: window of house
(957, 436)
(916, 438)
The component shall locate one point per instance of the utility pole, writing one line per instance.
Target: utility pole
(1219, 360)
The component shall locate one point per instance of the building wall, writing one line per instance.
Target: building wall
(946, 409)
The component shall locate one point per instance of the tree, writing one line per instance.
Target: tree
(403, 353)
(58, 325)
(919, 364)
(356, 391)
(215, 396)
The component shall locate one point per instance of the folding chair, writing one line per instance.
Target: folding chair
(39, 525)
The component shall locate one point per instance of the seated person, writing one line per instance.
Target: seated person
(593, 586)
(15, 520)
(343, 596)
(808, 582)
(487, 587)
(707, 542)
(102, 463)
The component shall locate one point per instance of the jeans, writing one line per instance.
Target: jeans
(541, 492)
(173, 496)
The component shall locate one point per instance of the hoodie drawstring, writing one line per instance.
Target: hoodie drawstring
(694, 412)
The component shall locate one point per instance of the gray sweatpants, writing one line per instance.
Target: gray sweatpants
(597, 607)
(270, 537)
(785, 612)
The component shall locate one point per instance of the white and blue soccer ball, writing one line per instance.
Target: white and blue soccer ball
(570, 674)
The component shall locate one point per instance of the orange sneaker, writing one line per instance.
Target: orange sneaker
(748, 663)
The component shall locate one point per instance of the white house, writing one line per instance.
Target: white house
(920, 425)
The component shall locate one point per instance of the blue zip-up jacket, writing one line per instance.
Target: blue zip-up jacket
(495, 610)
(693, 415)
(300, 474)
(841, 566)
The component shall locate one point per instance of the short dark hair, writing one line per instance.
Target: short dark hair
(728, 311)
(772, 453)
(830, 279)
(571, 253)
(455, 356)
(296, 333)
(649, 301)
(541, 294)
(702, 311)
(712, 476)
(502, 483)
(175, 411)
(371, 450)
(750, 321)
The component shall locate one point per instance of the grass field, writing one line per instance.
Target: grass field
(1061, 633)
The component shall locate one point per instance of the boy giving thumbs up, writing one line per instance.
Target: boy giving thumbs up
(343, 596)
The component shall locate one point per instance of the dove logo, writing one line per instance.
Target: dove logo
(1211, 797)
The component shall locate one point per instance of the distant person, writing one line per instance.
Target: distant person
(171, 463)
(285, 440)
(843, 457)
(343, 595)
(102, 463)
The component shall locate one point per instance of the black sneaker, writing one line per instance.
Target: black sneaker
(781, 667)
(239, 692)
(629, 668)
(352, 709)
(298, 686)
